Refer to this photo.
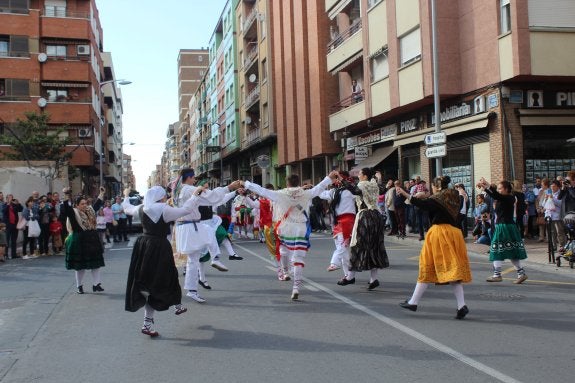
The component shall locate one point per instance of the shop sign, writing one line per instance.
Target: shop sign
(361, 153)
(408, 125)
(565, 99)
(540, 99)
(436, 151)
(373, 137)
(454, 112)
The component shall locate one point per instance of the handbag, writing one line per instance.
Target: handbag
(540, 219)
(22, 222)
(34, 229)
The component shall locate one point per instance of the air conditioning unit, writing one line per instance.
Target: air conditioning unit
(83, 50)
(84, 132)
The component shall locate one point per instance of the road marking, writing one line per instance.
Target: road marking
(404, 329)
(542, 282)
(507, 271)
(309, 287)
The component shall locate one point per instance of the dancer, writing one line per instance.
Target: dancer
(242, 213)
(291, 213)
(193, 237)
(84, 251)
(342, 208)
(367, 239)
(152, 276)
(443, 258)
(506, 242)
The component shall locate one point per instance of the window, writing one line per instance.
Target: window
(262, 26)
(14, 6)
(56, 50)
(15, 89)
(4, 44)
(505, 16)
(264, 70)
(57, 95)
(55, 8)
(2, 87)
(379, 65)
(410, 47)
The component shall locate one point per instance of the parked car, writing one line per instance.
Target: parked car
(135, 222)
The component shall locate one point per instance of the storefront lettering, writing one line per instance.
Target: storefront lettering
(369, 138)
(453, 112)
(408, 126)
(565, 98)
(375, 136)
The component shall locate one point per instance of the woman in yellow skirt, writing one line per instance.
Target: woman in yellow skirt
(443, 258)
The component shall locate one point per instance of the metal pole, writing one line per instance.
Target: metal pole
(438, 160)
(101, 159)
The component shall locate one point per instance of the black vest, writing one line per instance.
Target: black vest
(205, 212)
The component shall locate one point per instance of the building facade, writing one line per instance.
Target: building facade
(51, 61)
(505, 83)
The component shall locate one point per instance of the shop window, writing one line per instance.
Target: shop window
(379, 65)
(371, 3)
(56, 50)
(410, 47)
(505, 16)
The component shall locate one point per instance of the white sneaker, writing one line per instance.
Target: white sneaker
(26, 257)
(194, 295)
(219, 265)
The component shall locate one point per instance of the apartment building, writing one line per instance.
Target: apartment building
(258, 135)
(506, 79)
(302, 88)
(51, 61)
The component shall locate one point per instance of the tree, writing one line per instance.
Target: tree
(33, 139)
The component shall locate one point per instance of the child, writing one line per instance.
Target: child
(101, 226)
(2, 240)
(56, 234)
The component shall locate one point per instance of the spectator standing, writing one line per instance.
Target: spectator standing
(109, 215)
(399, 206)
(520, 207)
(540, 206)
(30, 213)
(530, 198)
(45, 211)
(10, 217)
(120, 217)
(552, 207)
(390, 207)
(2, 204)
(2, 241)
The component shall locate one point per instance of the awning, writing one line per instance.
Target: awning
(347, 63)
(545, 117)
(65, 85)
(449, 128)
(377, 156)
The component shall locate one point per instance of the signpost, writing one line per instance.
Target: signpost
(435, 138)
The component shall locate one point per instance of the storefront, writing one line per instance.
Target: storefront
(374, 150)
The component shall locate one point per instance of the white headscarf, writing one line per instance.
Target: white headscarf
(152, 207)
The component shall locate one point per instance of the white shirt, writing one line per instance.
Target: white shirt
(346, 203)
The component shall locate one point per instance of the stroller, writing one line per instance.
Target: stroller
(569, 249)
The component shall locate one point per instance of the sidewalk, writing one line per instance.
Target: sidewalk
(536, 251)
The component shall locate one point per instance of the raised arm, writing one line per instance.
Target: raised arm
(266, 193)
(319, 188)
(173, 213)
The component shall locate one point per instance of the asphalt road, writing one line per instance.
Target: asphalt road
(249, 329)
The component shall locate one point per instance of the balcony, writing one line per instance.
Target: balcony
(252, 97)
(77, 28)
(79, 112)
(347, 112)
(251, 17)
(67, 70)
(250, 57)
(252, 136)
(345, 47)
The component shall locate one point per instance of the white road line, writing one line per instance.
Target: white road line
(404, 329)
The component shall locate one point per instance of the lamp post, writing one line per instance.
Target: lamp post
(102, 121)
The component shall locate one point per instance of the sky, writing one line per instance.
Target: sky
(145, 37)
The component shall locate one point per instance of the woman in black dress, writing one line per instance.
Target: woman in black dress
(84, 250)
(152, 276)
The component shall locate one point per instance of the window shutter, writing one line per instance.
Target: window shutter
(552, 13)
(19, 45)
(20, 4)
(410, 46)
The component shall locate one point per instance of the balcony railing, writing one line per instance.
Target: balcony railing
(12, 53)
(251, 55)
(249, 20)
(253, 135)
(22, 11)
(252, 97)
(348, 101)
(341, 37)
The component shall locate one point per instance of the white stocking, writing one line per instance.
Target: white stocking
(458, 291)
(96, 276)
(373, 275)
(79, 277)
(418, 293)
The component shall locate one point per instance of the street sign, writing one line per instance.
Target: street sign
(435, 138)
(213, 149)
(436, 151)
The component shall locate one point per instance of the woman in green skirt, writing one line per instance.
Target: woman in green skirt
(506, 242)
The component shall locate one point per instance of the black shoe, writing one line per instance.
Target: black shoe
(406, 305)
(116, 240)
(97, 287)
(462, 312)
(205, 285)
(235, 257)
(373, 285)
(108, 241)
(421, 238)
(345, 282)
(80, 290)
(126, 239)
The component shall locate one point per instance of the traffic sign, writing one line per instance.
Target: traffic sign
(436, 151)
(435, 138)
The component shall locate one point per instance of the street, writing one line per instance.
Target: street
(249, 329)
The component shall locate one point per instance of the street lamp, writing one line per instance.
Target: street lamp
(102, 120)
